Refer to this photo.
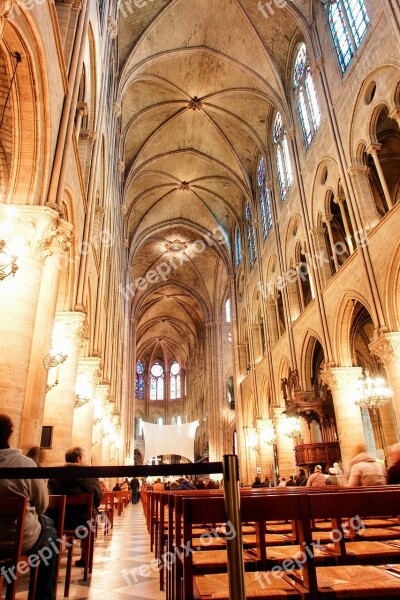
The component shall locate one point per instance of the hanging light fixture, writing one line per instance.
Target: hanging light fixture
(373, 392)
(291, 427)
(8, 262)
(268, 434)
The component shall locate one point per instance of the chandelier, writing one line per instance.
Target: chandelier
(268, 435)
(292, 427)
(373, 392)
(8, 263)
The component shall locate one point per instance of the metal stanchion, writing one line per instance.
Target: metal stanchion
(235, 545)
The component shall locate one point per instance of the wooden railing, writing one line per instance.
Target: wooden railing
(312, 454)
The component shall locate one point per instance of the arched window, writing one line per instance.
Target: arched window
(348, 22)
(264, 198)
(283, 163)
(228, 311)
(175, 381)
(139, 390)
(306, 96)
(251, 236)
(238, 246)
(157, 382)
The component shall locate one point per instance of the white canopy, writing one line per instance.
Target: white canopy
(169, 439)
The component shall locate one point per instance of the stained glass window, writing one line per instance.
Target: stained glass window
(348, 22)
(306, 96)
(300, 65)
(175, 381)
(264, 198)
(139, 389)
(238, 246)
(251, 236)
(157, 382)
(283, 162)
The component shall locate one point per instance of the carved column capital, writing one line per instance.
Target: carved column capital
(341, 378)
(91, 368)
(75, 327)
(88, 135)
(82, 109)
(41, 230)
(117, 109)
(373, 149)
(317, 232)
(387, 348)
(357, 170)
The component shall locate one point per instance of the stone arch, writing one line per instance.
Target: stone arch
(28, 131)
(283, 373)
(310, 361)
(343, 327)
(392, 286)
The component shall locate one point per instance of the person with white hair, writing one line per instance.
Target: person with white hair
(394, 471)
(317, 479)
(332, 478)
(365, 470)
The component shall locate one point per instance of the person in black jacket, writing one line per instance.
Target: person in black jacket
(135, 486)
(302, 478)
(75, 516)
(394, 471)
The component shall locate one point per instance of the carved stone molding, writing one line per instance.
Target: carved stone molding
(387, 348)
(195, 103)
(120, 166)
(112, 27)
(117, 109)
(100, 211)
(88, 135)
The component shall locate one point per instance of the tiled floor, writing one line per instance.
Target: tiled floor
(120, 561)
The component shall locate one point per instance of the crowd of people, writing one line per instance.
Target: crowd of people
(365, 470)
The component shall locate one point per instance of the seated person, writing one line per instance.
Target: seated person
(116, 488)
(39, 530)
(76, 516)
(158, 486)
(257, 483)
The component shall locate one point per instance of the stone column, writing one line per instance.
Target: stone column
(38, 236)
(343, 382)
(366, 203)
(322, 251)
(215, 396)
(107, 422)
(373, 150)
(327, 219)
(265, 450)
(102, 393)
(387, 349)
(285, 446)
(257, 343)
(81, 111)
(60, 400)
(340, 200)
(89, 370)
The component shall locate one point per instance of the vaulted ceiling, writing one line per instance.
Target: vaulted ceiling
(199, 82)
